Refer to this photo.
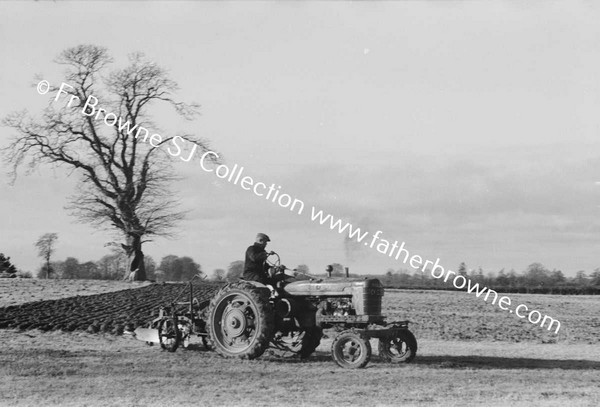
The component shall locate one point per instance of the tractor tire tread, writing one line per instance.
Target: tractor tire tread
(259, 297)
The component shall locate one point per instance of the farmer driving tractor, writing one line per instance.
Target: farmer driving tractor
(243, 319)
(255, 267)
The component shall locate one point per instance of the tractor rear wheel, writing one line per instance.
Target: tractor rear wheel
(351, 350)
(401, 347)
(240, 321)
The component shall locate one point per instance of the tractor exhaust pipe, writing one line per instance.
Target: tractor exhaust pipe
(347, 272)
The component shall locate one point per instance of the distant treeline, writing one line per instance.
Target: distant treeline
(115, 266)
(536, 279)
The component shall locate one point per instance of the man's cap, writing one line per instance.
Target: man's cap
(262, 236)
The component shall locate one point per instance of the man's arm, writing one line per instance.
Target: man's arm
(257, 257)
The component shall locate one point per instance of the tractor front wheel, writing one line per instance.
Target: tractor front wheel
(351, 350)
(401, 347)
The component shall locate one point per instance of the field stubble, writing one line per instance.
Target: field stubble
(456, 315)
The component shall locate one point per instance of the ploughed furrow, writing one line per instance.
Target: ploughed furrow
(111, 312)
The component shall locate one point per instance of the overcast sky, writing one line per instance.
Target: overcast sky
(470, 131)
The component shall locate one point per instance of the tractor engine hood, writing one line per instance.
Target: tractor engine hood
(334, 287)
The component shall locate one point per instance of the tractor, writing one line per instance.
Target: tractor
(246, 318)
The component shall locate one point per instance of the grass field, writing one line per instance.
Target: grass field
(495, 364)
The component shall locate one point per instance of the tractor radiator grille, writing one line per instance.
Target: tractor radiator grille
(367, 297)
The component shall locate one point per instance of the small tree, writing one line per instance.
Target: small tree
(462, 269)
(170, 268)
(45, 246)
(557, 277)
(44, 271)
(112, 266)
(159, 275)
(595, 277)
(512, 278)
(502, 279)
(52, 270)
(537, 275)
(179, 268)
(477, 275)
(189, 268)
(150, 265)
(89, 270)
(580, 278)
(6, 266)
(71, 268)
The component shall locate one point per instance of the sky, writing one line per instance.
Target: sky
(467, 130)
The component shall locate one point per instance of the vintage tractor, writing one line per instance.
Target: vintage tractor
(246, 318)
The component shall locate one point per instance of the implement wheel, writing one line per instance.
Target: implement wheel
(240, 321)
(351, 350)
(402, 347)
(168, 334)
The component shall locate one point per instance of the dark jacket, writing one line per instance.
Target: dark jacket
(255, 268)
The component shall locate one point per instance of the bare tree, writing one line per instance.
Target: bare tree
(100, 132)
(45, 246)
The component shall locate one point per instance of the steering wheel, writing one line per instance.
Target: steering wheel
(273, 260)
(277, 270)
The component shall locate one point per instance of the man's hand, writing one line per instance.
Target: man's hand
(271, 253)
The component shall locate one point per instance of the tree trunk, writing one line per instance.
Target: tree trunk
(135, 256)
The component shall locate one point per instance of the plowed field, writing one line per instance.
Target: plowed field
(111, 312)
